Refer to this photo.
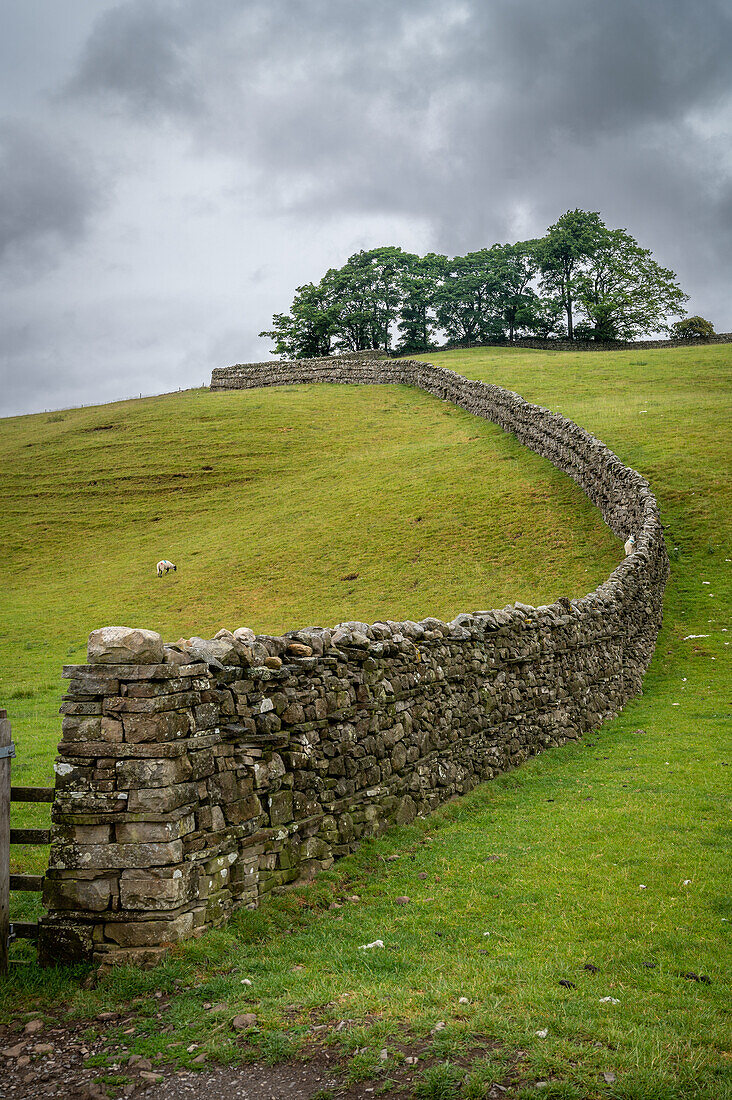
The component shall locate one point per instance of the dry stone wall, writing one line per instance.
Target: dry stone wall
(194, 778)
(555, 344)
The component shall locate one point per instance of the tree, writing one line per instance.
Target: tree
(693, 327)
(516, 266)
(368, 290)
(420, 282)
(467, 301)
(308, 330)
(623, 292)
(562, 254)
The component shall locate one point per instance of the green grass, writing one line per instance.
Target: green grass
(612, 852)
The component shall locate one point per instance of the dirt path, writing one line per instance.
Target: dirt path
(45, 1061)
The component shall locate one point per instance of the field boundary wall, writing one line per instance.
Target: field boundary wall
(549, 344)
(193, 779)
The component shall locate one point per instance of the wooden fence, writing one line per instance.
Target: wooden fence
(15, 929)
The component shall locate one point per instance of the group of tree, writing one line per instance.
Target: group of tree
(580, 281)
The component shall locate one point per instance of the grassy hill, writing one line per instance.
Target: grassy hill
(613, 852)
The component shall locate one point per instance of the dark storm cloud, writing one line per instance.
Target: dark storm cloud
(46, 199)
(464, 114)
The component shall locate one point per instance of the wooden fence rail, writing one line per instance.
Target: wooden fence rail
(24, 930)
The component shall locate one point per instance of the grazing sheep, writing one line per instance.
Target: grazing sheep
(165, 566)
(630, 545)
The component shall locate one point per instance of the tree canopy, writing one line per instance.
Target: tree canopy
(385, 297)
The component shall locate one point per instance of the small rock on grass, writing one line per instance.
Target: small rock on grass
(244, 1021)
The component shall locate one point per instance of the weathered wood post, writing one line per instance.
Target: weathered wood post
(5, 755)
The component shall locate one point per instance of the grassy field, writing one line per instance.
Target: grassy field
(613, 852)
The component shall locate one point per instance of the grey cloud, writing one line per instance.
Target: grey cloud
(135, 53)
(371, 106)
(46, 199)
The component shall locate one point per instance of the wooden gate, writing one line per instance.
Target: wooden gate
(15, 929)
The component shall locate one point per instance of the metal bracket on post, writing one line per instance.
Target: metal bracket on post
(7, 751)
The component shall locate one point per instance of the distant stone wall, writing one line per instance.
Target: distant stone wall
(228, 378)
(193, 779)
(535, 342)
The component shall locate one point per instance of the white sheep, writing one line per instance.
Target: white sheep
(165, 566)
(630, 545)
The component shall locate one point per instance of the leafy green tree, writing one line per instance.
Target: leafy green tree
(691, 327)
(623, 292)
(467, 301)
(369, 290)
(516, 266)
(308, 330)
(420, 282)
(563, 254)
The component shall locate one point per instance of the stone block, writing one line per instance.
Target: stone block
(71, 706)
(157, 704)
(152, 773)
(82, 833)
(145, 832)
(125, 645)
(93, 682)
(162, 799)
(107, 955)
(156, 727)
(93, 894)
(244, 809)
(150, 933)
(206, 715)
(157, 888)
(78, 728)
(280, 807)
(90, 857)
(64, 941)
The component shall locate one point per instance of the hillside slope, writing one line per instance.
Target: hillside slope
(566, 925)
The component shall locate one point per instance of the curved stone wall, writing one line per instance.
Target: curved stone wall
(193, 778)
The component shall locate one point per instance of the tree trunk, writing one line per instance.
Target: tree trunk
(570, 326)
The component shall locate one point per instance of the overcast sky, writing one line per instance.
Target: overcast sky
(172, 169)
